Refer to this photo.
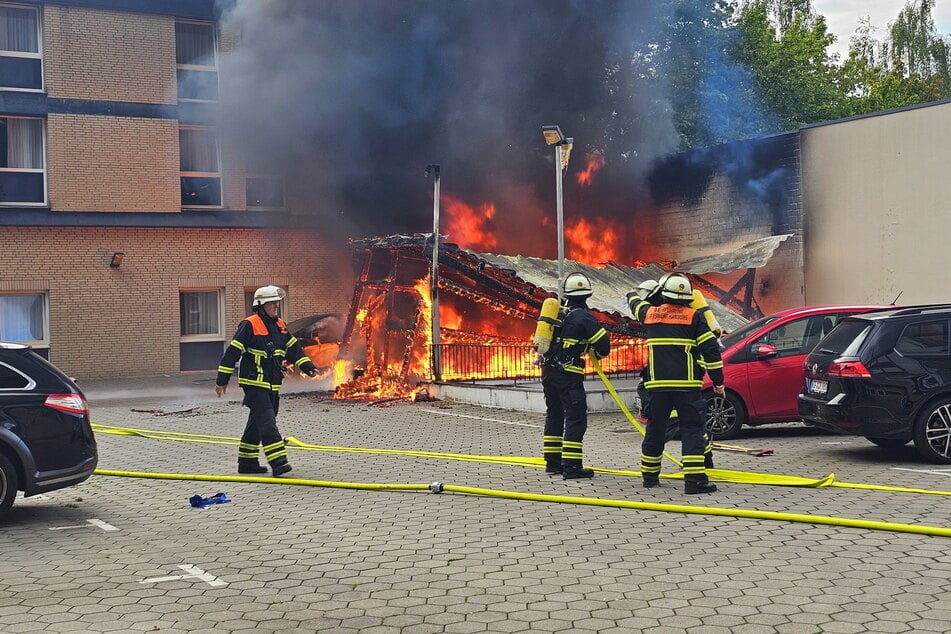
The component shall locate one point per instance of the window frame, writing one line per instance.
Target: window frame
(38, 23)
(270, 177)
(30, 170)
(218, 336)
(45, 299)
(197, 174)
(200, 67)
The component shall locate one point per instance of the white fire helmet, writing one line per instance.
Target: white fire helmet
(646, 288)
(676, 286)
(577, 285)
(267, 294)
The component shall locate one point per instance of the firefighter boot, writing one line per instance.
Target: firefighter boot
(280, 467)
(553, 467)
(651, 480)
(575, 473)
(693, 487)
(249, 465)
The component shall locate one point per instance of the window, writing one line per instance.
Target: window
(264, 192)
(927, 338)
(196, 56)
(21, 62)
(200, 314)
(22, 161)
(13, 379)
(23, 319)
(200, 175)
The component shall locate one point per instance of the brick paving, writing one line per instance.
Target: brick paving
(326, 559)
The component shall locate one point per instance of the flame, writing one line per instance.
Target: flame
(593, 241)
(469, 227)
(390, 376)
(595, 161)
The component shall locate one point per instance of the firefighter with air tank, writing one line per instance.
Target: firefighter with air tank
(681, 345)
(562, 338)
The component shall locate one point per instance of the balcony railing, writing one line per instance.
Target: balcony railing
(479, 362)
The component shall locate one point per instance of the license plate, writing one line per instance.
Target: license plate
(816, 386)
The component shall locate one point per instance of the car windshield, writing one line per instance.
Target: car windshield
(845, 338)
(731, 338)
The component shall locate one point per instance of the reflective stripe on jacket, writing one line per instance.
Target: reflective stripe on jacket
(579, 332)
(262, 345)
(680, 347)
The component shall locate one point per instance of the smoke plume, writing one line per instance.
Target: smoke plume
(352, 99)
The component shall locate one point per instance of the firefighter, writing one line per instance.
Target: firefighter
(649, 290)
(263, 345)
(678, 339)
(566, 405)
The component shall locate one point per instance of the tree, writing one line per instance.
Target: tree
(912, 65)
(797, 80)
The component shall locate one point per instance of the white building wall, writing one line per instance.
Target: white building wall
(876, 198)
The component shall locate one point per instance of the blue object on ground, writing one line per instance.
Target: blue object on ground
(199, 502)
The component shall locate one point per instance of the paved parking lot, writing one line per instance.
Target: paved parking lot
(119, 554)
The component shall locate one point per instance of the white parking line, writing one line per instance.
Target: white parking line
(944, 472)
(193, 573)
(494, 420)
(95, 522)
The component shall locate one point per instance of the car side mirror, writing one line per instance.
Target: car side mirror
(766, 351)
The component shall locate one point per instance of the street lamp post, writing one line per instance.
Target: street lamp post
(434, 275)
(554, 136)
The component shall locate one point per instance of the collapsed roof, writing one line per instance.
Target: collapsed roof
(517, 285)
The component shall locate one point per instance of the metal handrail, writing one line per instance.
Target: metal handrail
(461, 362)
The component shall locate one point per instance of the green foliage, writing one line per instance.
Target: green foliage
(764, 66)
(796, 79)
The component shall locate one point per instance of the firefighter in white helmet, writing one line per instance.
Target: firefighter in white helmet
(679, 340)
(566, 416)
(650, 291)
(262, 345)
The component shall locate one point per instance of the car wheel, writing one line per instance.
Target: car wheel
(725, 415)
(932, 432)
(889, 443)
(8, 483)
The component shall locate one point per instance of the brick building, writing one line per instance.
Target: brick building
(131, 234)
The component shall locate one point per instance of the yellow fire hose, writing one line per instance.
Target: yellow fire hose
(436, 487)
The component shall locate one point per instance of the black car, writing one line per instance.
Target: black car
(46, 441)
(886, 376)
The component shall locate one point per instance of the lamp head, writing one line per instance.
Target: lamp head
(553, 135)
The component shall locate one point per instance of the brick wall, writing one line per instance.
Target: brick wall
(100, 163)
(723, 198)
(109, 55)
(108, 322)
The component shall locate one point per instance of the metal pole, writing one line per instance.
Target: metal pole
(561, 225)
(434, 279)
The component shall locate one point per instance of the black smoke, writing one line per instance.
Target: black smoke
(353, 98)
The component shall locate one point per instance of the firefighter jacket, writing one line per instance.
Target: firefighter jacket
(579, 332)
(262, 344)
(680, 346)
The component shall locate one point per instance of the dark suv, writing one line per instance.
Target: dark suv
(885, 376)
(46, 442)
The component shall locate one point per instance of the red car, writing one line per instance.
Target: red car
(763, 367)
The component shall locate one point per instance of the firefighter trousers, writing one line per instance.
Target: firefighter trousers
(566, 420)
(261, 430)
(691, 409)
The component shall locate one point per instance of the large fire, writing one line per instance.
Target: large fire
(485, 328)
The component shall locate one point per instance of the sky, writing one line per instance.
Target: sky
(844, 16)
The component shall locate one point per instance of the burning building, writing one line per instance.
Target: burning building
(486, 305)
